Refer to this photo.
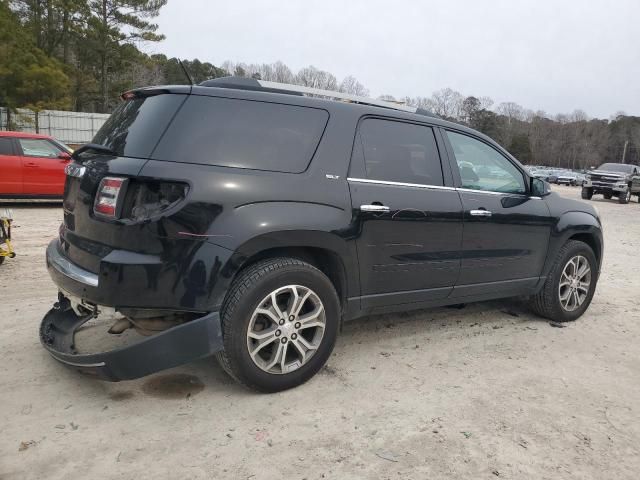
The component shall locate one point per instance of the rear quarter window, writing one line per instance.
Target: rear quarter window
(135, 127)
(243, 134)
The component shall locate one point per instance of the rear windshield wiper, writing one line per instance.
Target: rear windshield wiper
(93, 147)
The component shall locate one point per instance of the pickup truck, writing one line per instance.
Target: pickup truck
(621, 180)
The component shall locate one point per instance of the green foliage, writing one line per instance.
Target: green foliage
(521, 148)
(28, 78)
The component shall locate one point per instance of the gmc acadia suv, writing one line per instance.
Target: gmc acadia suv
(243, 219)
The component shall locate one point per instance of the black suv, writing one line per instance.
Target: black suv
(243, 219)
(621, 180)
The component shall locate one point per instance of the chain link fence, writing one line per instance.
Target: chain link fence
(72, 128)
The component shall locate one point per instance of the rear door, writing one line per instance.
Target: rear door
(506, 231)
(10, 168)
(408, 217)
(43, 169)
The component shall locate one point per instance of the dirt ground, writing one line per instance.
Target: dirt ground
(488, 391)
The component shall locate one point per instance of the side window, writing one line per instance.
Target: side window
(484, 168)
(6, 147)
(243, 134)
(38, 147)
(400, 152)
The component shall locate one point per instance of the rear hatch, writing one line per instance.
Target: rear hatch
(167, 145)
(127, 140)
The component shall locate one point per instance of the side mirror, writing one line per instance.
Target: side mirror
(64, 156)
(539, 188)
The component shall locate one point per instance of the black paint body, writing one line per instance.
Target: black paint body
(426, 251)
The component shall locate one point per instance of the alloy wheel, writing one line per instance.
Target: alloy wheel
(286, 329)
(574, 283)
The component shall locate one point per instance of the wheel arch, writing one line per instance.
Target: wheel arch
(575, 225)
(326, 251)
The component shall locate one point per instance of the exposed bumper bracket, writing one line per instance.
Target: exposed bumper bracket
(178, 345)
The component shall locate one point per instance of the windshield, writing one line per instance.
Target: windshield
(616, 167)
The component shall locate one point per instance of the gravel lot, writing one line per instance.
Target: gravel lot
(488, 391)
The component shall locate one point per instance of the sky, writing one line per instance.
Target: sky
(556, 56)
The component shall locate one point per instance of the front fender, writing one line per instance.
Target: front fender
(569, 225)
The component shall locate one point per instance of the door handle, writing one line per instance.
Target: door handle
(480, 213)
(374, 208)
(30, 164)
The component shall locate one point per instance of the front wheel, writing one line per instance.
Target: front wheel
(280, 323)
(607, 196)
(587, 193)
(570, 285)
(624, 197)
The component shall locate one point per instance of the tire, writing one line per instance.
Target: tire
(253, 288)
(587, 193)
(1, 260)
(547, 302)
(625, 197)
(607, 195)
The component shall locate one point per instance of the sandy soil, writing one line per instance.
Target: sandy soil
(488, 391)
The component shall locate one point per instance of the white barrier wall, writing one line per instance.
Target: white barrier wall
(68, 127)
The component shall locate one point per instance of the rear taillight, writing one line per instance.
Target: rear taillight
(108, 201)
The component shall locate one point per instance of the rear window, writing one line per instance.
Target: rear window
(243, 134)
(135, 127)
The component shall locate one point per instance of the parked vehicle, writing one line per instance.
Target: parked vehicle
(566, 177)
(621, 180)
(32, 165)
(250, 221)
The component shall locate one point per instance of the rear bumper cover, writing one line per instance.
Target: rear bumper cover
(178, 345)
(195, 339)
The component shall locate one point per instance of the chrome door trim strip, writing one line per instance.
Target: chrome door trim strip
(399, 184)
(435, 187)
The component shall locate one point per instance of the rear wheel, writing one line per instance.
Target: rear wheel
(587, 193)
(280, 323)
(624, 197)
(607, 195)
(570, 285)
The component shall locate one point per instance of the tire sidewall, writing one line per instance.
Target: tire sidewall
(625, 197)
(577, 248)
(236, 343)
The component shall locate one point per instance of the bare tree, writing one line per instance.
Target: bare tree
(315, 78)
(351, 85)
(447, 103)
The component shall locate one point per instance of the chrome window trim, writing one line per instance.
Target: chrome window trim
(490, 192)
(435, 187)
(399, 184)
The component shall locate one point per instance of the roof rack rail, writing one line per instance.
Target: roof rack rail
(244, 83)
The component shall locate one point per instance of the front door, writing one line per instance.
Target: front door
(408, 222)
(506, 231)
(43, 169)
(10, 168)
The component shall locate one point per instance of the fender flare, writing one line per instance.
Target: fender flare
(569, 225)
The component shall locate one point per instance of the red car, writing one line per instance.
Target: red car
(32, 165)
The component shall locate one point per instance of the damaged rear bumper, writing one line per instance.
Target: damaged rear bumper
(190, 341)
